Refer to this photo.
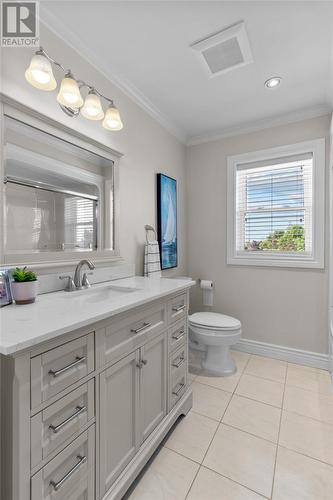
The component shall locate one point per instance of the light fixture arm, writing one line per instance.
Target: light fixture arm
(81, 83)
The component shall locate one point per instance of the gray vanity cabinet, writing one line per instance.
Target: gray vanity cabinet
(119, 422)
(81, 414)
(133, 399)
(153, 387)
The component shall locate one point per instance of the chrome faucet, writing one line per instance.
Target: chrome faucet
(77, 275)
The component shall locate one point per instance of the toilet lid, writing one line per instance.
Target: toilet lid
(214, 320)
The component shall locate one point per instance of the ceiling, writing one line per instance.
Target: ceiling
(144, 48)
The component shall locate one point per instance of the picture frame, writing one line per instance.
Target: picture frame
(167, 220)
(5, 290)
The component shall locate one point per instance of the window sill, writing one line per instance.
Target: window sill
(276, 261)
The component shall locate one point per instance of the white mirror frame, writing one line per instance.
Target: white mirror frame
(11, 108)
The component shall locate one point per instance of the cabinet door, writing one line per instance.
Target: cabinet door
(119, 406)
(153, 373)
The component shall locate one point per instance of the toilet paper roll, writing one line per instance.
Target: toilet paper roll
(207, 292)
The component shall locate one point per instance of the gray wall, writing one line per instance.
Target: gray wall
(280, 306)
(148, 148)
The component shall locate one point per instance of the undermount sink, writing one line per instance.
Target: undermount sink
(101, 292)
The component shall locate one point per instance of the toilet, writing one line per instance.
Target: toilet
(215, 333)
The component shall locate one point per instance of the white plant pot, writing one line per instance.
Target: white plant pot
(24, 292)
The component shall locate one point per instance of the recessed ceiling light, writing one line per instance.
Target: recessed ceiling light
(273, 82)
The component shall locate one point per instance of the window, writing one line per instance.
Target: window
(276, 206)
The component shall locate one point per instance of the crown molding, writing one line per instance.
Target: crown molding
(55, 26)
(247, 128)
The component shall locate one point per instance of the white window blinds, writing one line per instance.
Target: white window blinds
(274, 206)
(80, 223)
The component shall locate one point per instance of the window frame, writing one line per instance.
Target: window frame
(246, 258)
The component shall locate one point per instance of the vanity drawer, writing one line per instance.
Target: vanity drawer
(71, 474)
(177, 386)
(178, 360)
(55, 370)
(177, 308)
(123, 336)
(52, 427)
(177, 335)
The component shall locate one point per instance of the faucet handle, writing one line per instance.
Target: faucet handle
(85, 281)
(70, 287)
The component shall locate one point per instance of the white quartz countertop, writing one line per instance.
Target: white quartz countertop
(55, 314)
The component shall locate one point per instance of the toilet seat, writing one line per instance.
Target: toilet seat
(214, 321)
(216, 333)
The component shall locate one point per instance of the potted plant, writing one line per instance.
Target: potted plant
(25, 286)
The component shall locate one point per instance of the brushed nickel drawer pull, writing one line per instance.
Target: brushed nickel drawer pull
(142, 328)
(77, 361)
(178, 308)
(57, 428)
(58, 485)
(179, 336)
(176, 393)
(180, 362)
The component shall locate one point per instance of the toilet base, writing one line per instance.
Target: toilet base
(218, 361)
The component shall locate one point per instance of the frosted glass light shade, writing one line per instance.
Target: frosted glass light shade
(92, 108)
(69, 93)
(112, 120)
(40, 74)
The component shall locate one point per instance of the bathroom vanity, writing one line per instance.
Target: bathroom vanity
(91, 382)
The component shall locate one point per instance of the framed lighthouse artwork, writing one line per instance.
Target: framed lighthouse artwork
(167, 220)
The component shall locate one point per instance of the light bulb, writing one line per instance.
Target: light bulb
(40, 74)
(112, 120)
(273, 82)
(69, 93)
(92, 108)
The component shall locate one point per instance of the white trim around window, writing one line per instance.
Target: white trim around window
(313, 255)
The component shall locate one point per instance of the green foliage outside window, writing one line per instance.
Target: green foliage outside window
(289, 240)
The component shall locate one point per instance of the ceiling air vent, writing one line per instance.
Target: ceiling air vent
(226, 50)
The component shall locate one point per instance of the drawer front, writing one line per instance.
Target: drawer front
(123, 336)
(178, 308)
(177, 386)
(71, 474)
(55, 370)
(52, 427)
(177, 336)
(178, 360)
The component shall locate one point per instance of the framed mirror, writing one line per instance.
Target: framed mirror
(59, 193)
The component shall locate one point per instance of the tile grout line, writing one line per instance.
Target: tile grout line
(219, 423)
(305, 455)
(278, 436)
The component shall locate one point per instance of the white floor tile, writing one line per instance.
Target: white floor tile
(246, 459)
(308, 436)
(265, 391)
(254, 417)
(169, 477)
(301, 478)
(209, 401)
(271, 369)
(228, 384)
(192, 436)
(309, 403)
(318, 381)
(209, 485)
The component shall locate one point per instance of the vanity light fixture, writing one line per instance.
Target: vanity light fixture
(69, 93)
(92, 108)
(40, 75)
(112, 120)
(273, 82)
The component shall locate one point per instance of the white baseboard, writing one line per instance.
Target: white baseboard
(308, 358)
